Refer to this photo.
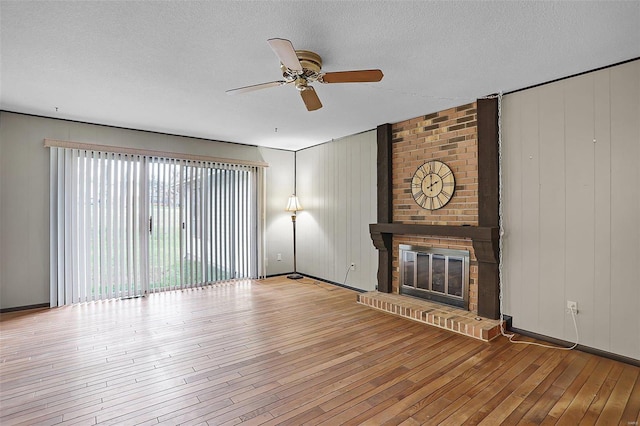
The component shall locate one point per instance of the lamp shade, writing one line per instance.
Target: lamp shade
(293, 205)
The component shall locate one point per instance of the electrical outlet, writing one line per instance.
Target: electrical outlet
(572, 306)
(353, 266)
(279, 257)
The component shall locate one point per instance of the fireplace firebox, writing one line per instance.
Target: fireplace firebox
(440, 275)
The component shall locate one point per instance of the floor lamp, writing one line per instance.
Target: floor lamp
(294, 206)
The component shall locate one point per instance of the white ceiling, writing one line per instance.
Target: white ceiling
(165, 66)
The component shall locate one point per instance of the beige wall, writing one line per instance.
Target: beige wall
(24, 193)
(336, 184)
(572, 208)
(278, 226)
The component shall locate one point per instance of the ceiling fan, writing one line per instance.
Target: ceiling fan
(301, 67)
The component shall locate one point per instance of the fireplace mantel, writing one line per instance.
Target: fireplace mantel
(483, 238)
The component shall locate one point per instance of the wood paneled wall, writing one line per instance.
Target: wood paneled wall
(571, 163)
(336, 185)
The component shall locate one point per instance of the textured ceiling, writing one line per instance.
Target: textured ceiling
(165, 66)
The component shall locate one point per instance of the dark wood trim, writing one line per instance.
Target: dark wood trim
(385, 261)
(582, 348)
(481, 233)
(311, 277)
(572, 76)
(484, 239)
(488, 179)
(385, 207)
(488, 290)
(385, 182)
(488, 207)
(383, 241)
(24, 308)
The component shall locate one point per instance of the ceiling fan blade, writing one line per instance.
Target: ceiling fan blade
(286, 53)
(360, 76)
(310, 98)
(255, 87)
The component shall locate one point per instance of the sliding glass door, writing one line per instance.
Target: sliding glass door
(125, 225)
(202, 223)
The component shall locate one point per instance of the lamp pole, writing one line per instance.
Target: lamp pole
(293, 206)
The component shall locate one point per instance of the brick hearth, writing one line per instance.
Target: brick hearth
(449, 318)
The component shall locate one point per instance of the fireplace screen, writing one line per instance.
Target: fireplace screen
(441, 275)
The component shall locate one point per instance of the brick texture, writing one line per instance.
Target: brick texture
(426, 312)
(449, 136)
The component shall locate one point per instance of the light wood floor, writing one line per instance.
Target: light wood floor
(287, 352)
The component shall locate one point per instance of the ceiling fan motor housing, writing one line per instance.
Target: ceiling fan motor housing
(311, 64)
(309, 60)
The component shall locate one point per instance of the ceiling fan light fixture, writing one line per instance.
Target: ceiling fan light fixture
(301, 84)
(302, 67)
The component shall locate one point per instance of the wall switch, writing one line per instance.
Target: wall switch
(352, 266)
(279, 257)
(572, 306)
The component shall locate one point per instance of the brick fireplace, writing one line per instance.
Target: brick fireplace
(465, 138)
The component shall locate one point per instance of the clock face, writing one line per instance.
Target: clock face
(432, 185)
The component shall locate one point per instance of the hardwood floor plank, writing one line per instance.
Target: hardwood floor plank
(570, 388)
(632, 410)
(359, 374)
(277, 351)
(460, 390)
(473, 392)
(564, 380)
(453, 364)
(582, 399)
(196, 411)
(518, 366)
(613, 409)
(318, 380)
(355, 381)
(537, 373)
(410, 422)
(601, 398)
(366, 389)
(548, 393)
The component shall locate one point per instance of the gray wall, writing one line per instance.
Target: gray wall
(24, 193)
(572, 208)
(336, 185)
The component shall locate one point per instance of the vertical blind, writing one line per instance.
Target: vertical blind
(203, 221)
(123, 225)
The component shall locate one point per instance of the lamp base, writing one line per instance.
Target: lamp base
(295, 276)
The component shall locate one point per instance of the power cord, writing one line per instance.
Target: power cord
(575, 326)
(346, 275)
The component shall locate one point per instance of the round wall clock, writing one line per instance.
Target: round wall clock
(432, 185)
